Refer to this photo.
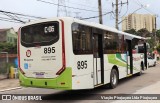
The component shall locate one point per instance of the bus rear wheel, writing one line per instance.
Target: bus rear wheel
(113, 78)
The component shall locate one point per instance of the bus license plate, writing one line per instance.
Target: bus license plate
(39, 75)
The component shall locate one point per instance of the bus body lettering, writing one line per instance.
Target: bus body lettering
(49, 50)
(49, 29)
(82, 65)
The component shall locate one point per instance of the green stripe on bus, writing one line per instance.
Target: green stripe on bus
(120, 57)
(63, 81)
(112, 59)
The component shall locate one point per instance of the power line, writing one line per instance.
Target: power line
(61, 11)
(151, 12)
(140, 4)
(80, 4)
(67, 6)
(9, 20)
(16, 17)
(13, 18)
(117, 12)
(21, 14)
(96, 16)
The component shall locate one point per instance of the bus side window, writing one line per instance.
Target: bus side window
(81, 39)
(113, 43)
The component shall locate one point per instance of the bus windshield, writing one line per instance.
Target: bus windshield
(41, 34)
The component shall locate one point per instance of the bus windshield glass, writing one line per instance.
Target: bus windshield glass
(40, 34)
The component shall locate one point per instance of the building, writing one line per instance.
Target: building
(138, 21)
(8, 36)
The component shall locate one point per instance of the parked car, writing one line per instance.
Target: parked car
(151, 61)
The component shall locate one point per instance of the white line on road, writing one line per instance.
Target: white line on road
(10, 89)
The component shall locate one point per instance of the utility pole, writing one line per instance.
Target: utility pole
(61, 10)
(155, 35)
(100, 11)
(77, 15)
(117, 11)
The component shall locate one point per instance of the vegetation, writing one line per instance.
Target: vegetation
(7, 47)
(131, 31)
(158, 48)
(145, 33)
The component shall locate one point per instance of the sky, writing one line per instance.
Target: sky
(90, 8)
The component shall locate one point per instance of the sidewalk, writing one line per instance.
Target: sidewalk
(9, 83)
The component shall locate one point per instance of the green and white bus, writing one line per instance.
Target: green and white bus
(70, 54)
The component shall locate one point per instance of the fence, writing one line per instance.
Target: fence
(6, 60)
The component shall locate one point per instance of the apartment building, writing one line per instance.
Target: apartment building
(138, 21)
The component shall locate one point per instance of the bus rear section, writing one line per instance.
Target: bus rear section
(42, 56)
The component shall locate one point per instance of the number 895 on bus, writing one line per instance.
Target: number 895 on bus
(82, 65)
(49, 50)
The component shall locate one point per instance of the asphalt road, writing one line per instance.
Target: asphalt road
(126, 86)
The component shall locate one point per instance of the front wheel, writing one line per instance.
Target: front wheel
(113, 78)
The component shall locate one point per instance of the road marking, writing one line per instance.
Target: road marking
(10, 89)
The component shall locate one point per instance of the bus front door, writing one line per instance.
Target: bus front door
(98, 59)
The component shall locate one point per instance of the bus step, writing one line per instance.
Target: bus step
(98, 85)
(128, 75)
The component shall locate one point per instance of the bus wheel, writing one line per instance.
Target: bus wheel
(113, 78)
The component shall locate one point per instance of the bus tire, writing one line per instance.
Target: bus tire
(113, 78)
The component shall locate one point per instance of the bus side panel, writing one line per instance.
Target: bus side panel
(111, 60)
(82, 65)
(107, 69)
(122, 67)
(68, 46)
(137, 62)
(82, 72)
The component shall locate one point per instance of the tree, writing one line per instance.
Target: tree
(7, 47)
(151, 43)
(131, 31)
(143, 32)
(158, 34)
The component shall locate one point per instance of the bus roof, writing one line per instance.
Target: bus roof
(100, 26)
(93, 24)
